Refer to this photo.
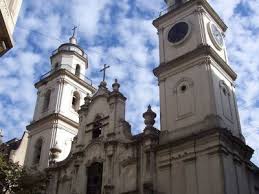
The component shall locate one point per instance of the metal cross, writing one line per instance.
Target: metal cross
(104, 70)
(74, 30)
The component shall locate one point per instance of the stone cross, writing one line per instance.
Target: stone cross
(104, 70)
(74, 30)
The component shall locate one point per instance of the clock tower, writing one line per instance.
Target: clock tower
(201, 147)
(197, 89)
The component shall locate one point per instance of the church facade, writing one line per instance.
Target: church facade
(80, 136)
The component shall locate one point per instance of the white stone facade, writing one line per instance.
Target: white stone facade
(18, 155)
(61, 92)
(9, 11)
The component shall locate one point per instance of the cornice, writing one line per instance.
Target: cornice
(226, 141)
(63, 72)
(204, 51)
(49, 118)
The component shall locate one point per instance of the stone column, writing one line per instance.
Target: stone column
(151, 136)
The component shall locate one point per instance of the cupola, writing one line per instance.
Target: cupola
(70, 56)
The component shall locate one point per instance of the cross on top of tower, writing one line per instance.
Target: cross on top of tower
(104, 70)
(74, 31)
(73, 38)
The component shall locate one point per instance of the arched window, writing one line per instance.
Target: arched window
(37, 151)
(97, 128)
(76, 101)
(77, 72)
(46, 100)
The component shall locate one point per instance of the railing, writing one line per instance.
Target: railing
(70, 69)
(172, 7)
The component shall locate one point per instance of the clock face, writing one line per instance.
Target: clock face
(178, 32)
(216, 36)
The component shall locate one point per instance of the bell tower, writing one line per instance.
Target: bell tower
(201, 148)
(197, 89)
(60, 94)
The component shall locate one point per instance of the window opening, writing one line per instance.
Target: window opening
(46, 101)
(37, 152)
(76, 101)
(77, 72)
(97, 128)
(183, 88)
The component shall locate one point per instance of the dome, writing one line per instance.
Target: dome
(71, 47)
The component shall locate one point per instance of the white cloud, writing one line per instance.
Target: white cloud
(151, 5)
(88, 15)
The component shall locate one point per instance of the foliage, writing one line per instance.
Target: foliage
(15, 179)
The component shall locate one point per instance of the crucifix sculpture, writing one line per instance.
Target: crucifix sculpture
(104, 70)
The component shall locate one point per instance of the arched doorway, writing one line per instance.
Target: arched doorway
(94, 178)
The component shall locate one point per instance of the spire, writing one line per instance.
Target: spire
(73, 39)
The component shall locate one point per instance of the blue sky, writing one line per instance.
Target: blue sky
(119, 33)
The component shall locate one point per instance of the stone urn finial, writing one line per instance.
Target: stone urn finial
(149, 117)
(85, 106)
(115, 86)
(103, 84)
(87, 99)
(54, 153)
